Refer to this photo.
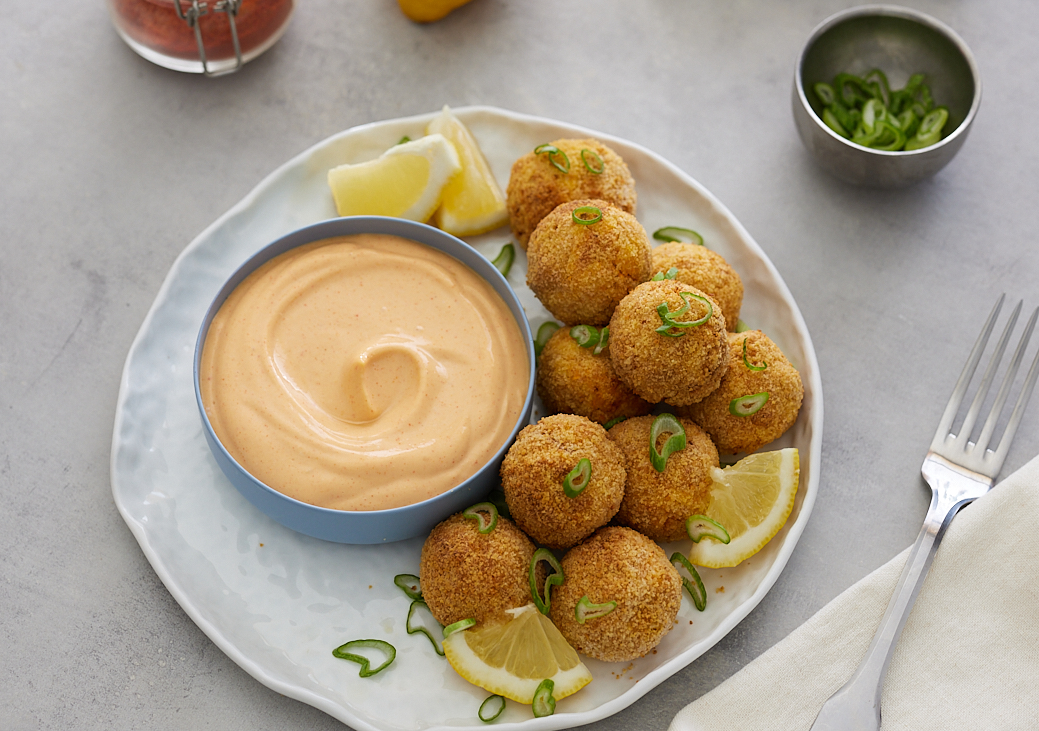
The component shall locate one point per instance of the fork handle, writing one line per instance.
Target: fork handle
(856, 706)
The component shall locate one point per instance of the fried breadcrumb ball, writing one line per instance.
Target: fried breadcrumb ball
(680, 366)
(536, 186)
(535, 467)
(580, 272)
(465, 573)
(617, 565)
(573, 380)
(658, 504)
(777, 378)
(707, 271)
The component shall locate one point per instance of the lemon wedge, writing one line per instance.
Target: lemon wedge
(513, 658)
(473, 203)
(752, 500)
(426, 11)
(406, 181)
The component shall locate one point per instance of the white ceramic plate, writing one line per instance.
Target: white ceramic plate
(277, 602)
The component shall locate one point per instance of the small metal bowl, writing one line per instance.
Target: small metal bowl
(900, 42)
(371, 526)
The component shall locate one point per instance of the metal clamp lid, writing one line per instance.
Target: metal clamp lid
(198, 9)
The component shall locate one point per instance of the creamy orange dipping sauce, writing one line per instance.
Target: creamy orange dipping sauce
(363, 373)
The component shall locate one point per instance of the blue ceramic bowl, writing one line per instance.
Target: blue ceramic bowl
(376, 526)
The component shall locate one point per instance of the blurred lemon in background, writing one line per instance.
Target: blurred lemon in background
(426, 11)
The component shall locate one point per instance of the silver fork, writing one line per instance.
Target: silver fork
(958, 471)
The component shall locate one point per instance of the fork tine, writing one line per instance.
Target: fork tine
(945, 425)
(999, 454)
(963, 436)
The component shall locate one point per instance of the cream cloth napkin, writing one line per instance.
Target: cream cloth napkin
(968, 657)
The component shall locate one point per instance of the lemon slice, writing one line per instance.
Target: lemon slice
(752, 499)
(473, 203)
(406, 181)
(514, 657)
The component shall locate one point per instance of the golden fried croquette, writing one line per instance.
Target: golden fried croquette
(580, 272)
(617, 565)
(779, 380)
(465, 573)
(573, 380)
(680, 366)
(536, 186)
(657, 504)
(535, 467)
(707, 271)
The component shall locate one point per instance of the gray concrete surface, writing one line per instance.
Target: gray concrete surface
(112, 165)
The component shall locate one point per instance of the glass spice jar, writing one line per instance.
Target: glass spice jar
(213, 37)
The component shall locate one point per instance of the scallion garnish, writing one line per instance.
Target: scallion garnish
(585, 335)
(409, 584)
(556, 156)
(661, 276)
(503, 262)
(698, 527)
(751, 366)
(343, 653)
(544, 704)
(595, 215)
(458, 626)
(498, 498)
(748, 405)
(665, 424)
(586, 610)
(485, 712)
(416, 605)
(588, 166)
(677, 233)
(404, 139)
(546, 331)
(484, 523)
(578, 478)
(614, 422)
(553, 579)
(741, 326)
(604, 341)
(668, 317)
(694, 584)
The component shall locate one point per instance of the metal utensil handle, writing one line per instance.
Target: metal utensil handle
(198, 9)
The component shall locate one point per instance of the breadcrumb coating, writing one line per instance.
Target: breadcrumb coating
(707, 271)
(536, 187)
(532, 477)
(620, 565)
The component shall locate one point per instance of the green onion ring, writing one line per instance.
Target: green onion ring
(585, 610)
(503, 262)
(694, 585)
(366, 672)
(585, 335)
(498, 498)
(661, 276)
(614, 422)
(748, 363)
(409, 584)
(665, 424)
(546, 331)
(678, 234)
(458, 626)
(595, 213)
(602, 165)
(578, 478)
(554, 153)
(604, 341)
(741, 326)
(488, 699)
(475, 512)
(553, 579)
(668, 317)
(544, 704)
(404, 139)
(748, 405)
(418, 604)
(698, 527)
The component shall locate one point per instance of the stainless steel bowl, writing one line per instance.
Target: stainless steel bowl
(900, 42)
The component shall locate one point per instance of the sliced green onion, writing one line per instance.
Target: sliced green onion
(698, 527)
(484, 524)
(668, 317)
(677, 233)
(669, 274)
(553, 579)
(741, 326)
(498, 498)
(604, 341)
(416, 605)
(343, 653)
(878, 78)
(544, 704)
(578, 478)
(503, 262)
(665, 424)
(831, 121)
(458, 626)
(585, 610)
(556, 156)
(825, 93)
(748, 405)
(930, 130)
(750, 365)
(579, 215)
(547, 330)
(585, 335)
(694, 584)
(588, 166)
(404, 139)
(614, 422)
(485, 713)
(409, 584)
